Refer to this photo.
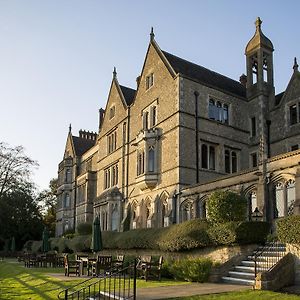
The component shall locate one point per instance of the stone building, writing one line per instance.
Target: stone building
(185, 131)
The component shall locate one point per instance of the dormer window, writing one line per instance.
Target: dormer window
(149, 81)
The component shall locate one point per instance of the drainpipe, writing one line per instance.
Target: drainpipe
(197, 136)
(268, 139)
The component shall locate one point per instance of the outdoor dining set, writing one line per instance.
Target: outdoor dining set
(146, 265)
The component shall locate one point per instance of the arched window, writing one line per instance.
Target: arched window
(114, 220)
(290, 196)
(279, 200)
(252, 204)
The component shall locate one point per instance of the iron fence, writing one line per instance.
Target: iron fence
(112, 284)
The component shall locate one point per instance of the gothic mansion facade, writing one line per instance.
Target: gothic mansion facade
(164, 147)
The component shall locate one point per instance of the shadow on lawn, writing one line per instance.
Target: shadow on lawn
(30, 281)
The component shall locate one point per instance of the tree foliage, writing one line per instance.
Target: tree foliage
(226, 206)
(19, 211)
(20, 216)
(47, 201)
(15, 168)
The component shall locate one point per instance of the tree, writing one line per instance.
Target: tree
(47, 201)
(20, 216)
(226, 206)
(15, 168)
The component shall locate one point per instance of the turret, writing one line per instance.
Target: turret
(259, 57)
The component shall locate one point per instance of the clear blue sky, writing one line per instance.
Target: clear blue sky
(57, 57)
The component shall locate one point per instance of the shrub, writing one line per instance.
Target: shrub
(223, 234)
(288, 229)
(226, 206)
(84, 228)
(195, 270)
(252, 232)
(80, 243)
(184, 236)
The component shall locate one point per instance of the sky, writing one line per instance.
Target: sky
(57, 57)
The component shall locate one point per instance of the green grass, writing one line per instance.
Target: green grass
(18, 282)
(244, 295)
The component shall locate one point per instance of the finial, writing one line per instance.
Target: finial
(295, 66)
(114, 73)
(70, 128)
(152, 34)
(258, 22)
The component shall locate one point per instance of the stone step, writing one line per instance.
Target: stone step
(263, 258)
(243, 275)
(251, 263)
(241, 281)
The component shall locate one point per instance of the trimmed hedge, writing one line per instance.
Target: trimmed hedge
(288, 229)
(184, 236)
(84, 228)
(179, 237)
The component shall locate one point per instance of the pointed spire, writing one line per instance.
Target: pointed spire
(152, 35)
(258, 23)
(295, 66)
(115, 73)
(70, 128)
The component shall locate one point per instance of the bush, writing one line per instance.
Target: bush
(195, 270)
(288, 229)
(239, 232)
(252, 232)
(184, 236)
(223, 234)
(80, 243)
(84, 228)
(226, 206)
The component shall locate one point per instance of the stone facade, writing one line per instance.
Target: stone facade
(185, 131)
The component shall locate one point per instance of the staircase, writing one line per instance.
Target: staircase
(262, 259)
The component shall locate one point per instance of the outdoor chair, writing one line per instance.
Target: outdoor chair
(103, 263)
(154, 271)
(71, 266)
(118, 263)
(143, 264)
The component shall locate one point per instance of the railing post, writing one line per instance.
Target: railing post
(134, 280)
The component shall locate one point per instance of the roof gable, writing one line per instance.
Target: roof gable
(292, 91)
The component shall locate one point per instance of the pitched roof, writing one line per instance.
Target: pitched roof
(82, 145)
(205, 76)
(128, 94)
(278, 98)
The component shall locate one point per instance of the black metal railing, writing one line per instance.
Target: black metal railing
(115, 284)
(268, 256)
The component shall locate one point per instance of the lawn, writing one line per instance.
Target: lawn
(244, 295)
(18, 282)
